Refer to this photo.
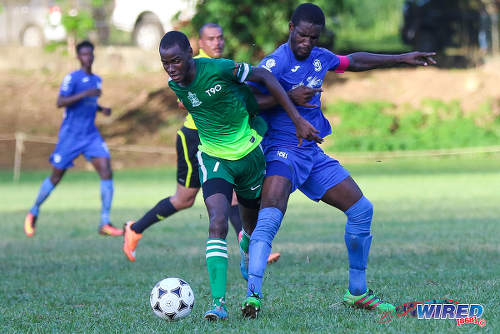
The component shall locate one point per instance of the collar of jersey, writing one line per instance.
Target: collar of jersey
(202, 54)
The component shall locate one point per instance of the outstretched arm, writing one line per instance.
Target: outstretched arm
(303, 127)
(364, 61)
(64, 101)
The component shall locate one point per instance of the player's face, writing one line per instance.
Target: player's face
(212, 41)
(176, 62)
(86, 56)
(303, 37)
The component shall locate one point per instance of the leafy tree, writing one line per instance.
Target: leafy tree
(254, 28)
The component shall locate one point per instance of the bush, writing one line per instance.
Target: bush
(375, 126)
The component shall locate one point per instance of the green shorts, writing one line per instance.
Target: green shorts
(246, 174)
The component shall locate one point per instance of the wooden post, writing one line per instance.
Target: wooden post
(20, 136)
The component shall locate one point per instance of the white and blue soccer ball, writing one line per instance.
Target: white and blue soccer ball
(172, 299)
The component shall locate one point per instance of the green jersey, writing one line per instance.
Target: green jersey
(223, 108)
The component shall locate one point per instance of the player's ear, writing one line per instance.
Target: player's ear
(190, 51)
(290, 26)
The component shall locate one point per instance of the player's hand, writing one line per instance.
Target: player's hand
(419, 58)
(302, 94)
(307, 131)
(93, 92)
(106, 111)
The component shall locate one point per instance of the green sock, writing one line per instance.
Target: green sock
(245, 241)
(216, 255)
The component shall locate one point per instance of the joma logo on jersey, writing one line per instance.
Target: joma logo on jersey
(213, 90)
(282, 154)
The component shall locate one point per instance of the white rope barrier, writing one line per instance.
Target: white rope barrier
(20, 138)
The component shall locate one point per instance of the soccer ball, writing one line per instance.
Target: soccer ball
(172, 299)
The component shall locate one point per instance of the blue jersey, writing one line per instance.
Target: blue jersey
(80, 116)
(292, 73)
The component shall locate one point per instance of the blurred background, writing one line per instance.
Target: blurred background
(453, 108)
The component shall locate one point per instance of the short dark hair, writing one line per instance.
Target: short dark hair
(174, 37)
(208, 25)
(308, 12)
(84, 44)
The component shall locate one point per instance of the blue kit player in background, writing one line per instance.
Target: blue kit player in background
(300, 67)
(79, 135)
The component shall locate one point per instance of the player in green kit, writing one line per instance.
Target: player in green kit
(225, 112)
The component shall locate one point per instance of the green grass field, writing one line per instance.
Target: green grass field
(436, 235)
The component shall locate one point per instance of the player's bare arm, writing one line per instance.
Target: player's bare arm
(300, 96)
(303, 127)
(64, 101)
(364, 61)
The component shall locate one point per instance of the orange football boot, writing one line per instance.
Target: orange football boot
(29, 224)
(110, 230)
(130, 240)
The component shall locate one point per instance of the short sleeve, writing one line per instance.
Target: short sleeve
(234, 71)
(67, 86)
(338, 63)
(271, 64)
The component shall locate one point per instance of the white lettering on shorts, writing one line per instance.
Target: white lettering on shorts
(282, 154)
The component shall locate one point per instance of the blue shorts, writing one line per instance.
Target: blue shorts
(68, 148)
(309, 169)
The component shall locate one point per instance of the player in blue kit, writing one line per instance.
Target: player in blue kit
(300, 67)
(79, 135)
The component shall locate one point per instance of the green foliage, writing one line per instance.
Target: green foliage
(254, 28)
(375, 126)
(79, 22)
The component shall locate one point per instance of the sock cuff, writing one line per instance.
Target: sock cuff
(245, 233)
(272, 213)
(107, 182)
(361, 206)
(48, 183)
(168, 203)
(216, 248)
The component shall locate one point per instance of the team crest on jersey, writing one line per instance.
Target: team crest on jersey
(314, 82)
(270, 63)
(85, 79)
(317, 65)
(195, 102)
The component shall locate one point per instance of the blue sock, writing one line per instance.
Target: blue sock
(106, 199)
(261, 241)
(43, 193)
(358, 240)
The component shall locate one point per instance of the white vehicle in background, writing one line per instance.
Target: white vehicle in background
(148, 20)
(30, 22)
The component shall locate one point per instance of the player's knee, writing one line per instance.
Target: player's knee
(218, 223)
(274, 202)
(182, 200)
(359, 217)
(55, 178)
(106, 174)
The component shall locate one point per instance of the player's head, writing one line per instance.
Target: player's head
(211, 40)
(176, 55)
(85, 53)
(305, 28)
